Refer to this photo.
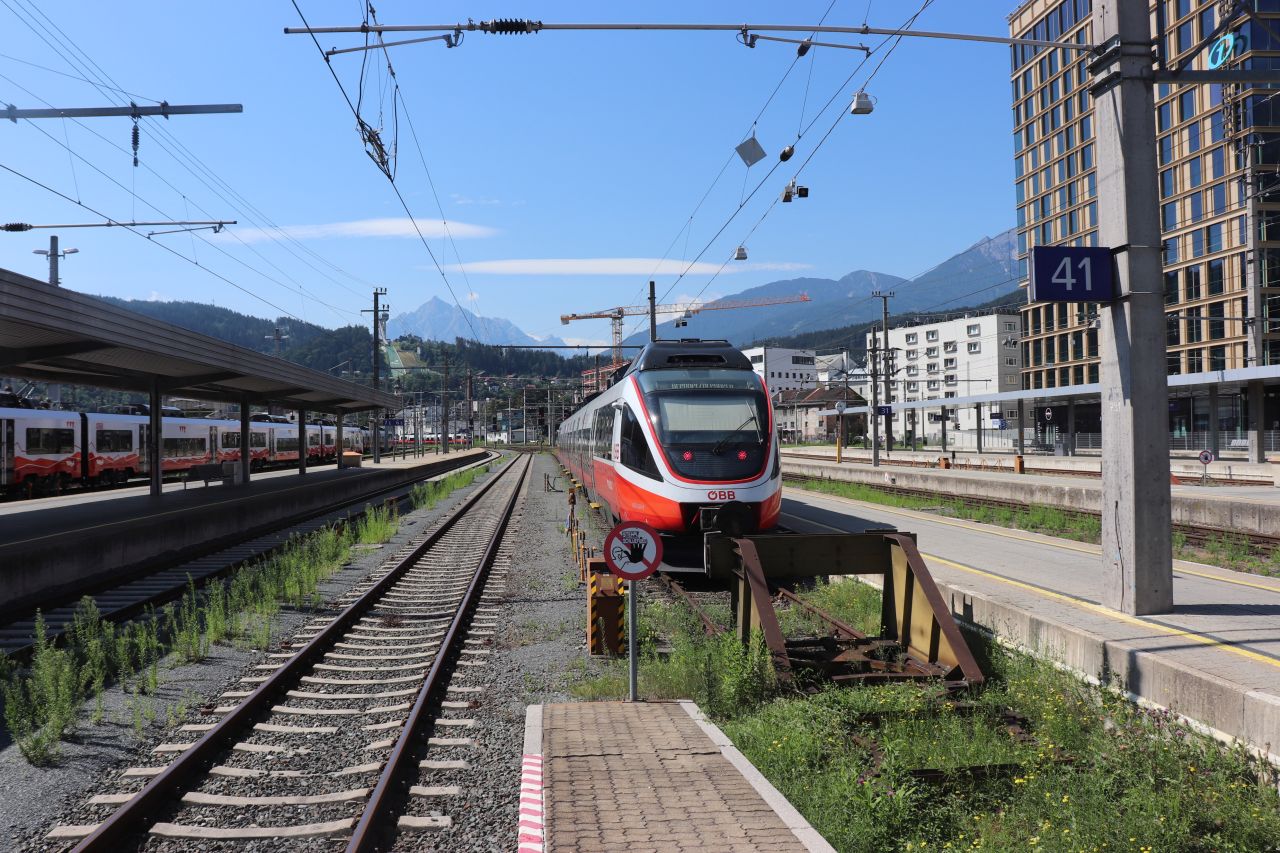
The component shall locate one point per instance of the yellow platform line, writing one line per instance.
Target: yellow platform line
(1043, 539)
(1098, 609)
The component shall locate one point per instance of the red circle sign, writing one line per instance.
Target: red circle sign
(633, 550)
(1206, 457)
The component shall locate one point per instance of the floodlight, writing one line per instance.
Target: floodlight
(741, 254)
(862, 104)
(785, 154)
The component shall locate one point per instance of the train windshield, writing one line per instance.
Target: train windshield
(699, 414)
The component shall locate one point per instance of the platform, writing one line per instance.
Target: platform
(1243, 509)
(645, 777)
(1215, 659)
(49, 544)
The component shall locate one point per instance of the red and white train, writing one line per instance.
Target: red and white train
(684, 442)
(43, 450)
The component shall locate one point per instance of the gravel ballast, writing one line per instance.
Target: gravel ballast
(527, 647)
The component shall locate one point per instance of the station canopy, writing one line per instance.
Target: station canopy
(57, 335)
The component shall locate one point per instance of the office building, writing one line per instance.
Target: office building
(784, 369)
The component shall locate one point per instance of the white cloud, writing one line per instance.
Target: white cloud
(157, 296)
(389, 227)
(613, 266)
(485, 202)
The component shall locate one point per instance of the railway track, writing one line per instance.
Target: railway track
(961, 465)
(328, 738)
(1258, 544)
(137, 594)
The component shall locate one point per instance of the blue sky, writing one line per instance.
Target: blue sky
(566, 163)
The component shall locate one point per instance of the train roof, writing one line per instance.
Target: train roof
(690, 353)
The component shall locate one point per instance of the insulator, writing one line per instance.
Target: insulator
(16, 226)
(511, 26)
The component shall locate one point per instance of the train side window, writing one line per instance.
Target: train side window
(41, 440)
(257, 439)
(175, 447)
(230, 441)
(114, 440)
(635, 449)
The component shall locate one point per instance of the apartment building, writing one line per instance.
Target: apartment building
(784, 369)
(961, 357)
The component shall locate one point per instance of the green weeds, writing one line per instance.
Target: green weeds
(1097, 774)
(42, 704)
(427, 495)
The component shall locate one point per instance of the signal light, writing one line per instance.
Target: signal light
(742, 456)
(687, 456)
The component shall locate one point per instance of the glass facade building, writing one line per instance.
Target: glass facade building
(1218, 150)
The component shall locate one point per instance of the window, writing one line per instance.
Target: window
(950, 378)
(43, 440)
(634, 449)
(1010, 379)
(912, 337)
(931, 352)
(912, 370)
(973, 330)
(913, 386)
(757, 359)
(931, 335)
(284, 444)
(949, 346)
(1009, 326)
(174, 447)
(933, 385)
(259, 439)
(802, 359)
(114, 440)
(1218, 358)
(975, 346)
(1195, 329)
(913, 353)
(948, 363)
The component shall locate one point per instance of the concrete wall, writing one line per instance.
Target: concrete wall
(111, 552)
(1224, 514)
(1226, 709)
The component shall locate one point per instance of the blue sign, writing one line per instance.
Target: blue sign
(397, 422)
(1222, 51)
(884, 410)
(1072, 274)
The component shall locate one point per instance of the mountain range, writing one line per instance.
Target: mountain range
(437, 320)
(984, 271)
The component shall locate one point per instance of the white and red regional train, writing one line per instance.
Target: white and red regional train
(42, 450)
(684, 442)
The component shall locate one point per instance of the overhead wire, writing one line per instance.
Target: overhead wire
(355, 113)
(132, 230)
(71, 53)
(808, 158)
(687, 228)
(72, 153)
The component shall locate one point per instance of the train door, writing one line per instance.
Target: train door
(212, 455)
(6, 452)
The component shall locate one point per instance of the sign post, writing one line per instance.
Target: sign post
(633, 551)
(1206, 459)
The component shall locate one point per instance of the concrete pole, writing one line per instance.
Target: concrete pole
(155, 456)
(1257, 421)
(1022, 432)
(338, 437)
(377, 370)
(444, 406)
(1137, 573)
(944, 429)
(246, 452)
(1215, 429)
(888, 370)
(303, 446)
(977, 416)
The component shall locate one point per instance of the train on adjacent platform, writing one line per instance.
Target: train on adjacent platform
(683, 441)
(47, 450)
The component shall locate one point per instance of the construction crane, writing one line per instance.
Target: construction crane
(686, 310)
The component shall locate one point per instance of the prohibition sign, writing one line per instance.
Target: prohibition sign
(633, 550)
(1206, 457)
